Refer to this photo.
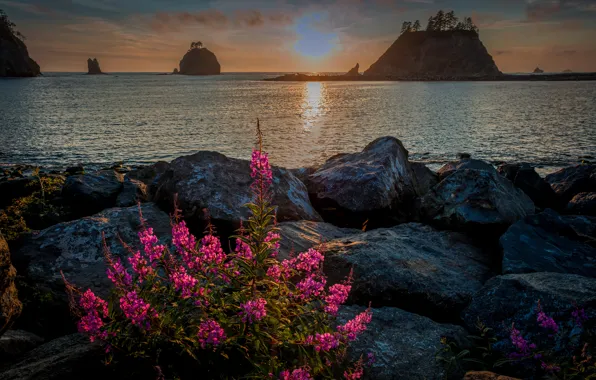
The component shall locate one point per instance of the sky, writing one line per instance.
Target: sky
(291, 35)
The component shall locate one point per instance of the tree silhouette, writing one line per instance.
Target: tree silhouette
(196, 45)
(431, 24)
(406, 27)
(5, 23)
(416, 26)
(450, 21)
(442, 22)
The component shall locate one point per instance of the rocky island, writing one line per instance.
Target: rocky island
(14, 57)
(93, 67)
(199, 61)
(538, 70)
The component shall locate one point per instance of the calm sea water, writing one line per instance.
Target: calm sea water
(62, 119)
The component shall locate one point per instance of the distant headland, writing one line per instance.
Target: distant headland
(14, 57)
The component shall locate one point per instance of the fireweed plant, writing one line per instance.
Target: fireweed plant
(242, 314)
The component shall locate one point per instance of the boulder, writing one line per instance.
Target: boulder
(93, 67)
(93, 192)
(583, 204)
(14, 57)
(17, 342)
(512, 299)
(425, 178)
(300, 236)
(410, 266)
(471, 199)
(486, 375)
(132, 193)
(13, 188)
(354, 71)
(212, 181)
(149, 174)
(466, 163)
(569, 182)
(72, 170)
(10, 306)
(525, 177)
(303, 173)
(404, 344)
(76, 248)
(546, 243)
(373, 184)
(583, 225)
(538, 70)
(199, 61)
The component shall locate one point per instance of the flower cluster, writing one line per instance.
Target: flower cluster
(545, 321)
(243, 250)
(137, 310)
(521, 345)
(338, 294)
(307, 261)
(91, 323)
(184, 282)
(273, 239)
(323, 342)
(354, 327)
(312, 286)
(118, 274)
(297, 374)
(140, 265)
(182, 239)
(253, 310)
(151, 245)
(260, 169)
(211, 333)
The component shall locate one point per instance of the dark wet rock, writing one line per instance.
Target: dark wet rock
(10, 305)
(472, 199)
(13, 188)
(303, 173)
(93, 192)
(14, 57)
(93, 67)
(582, 225)
(512, 299)
(546, 243)
(199, 61)
(149, 175)
(538, 70)
(76, 249)
(582, 204)
(436, 54)
(17, 342)
(300, 236)
(212, 181)
(569, 182)
(404, 344)
(374, 184)
(411, 266)
(78, 169)
(451, 167)
(525, 177)
(132, 193)
(463, 156)
(486, 375)
(425, 178)
(354, 71)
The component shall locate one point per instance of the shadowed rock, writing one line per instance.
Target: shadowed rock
(425, 178)
(569, 182)
(583, 204)
(466, 163)
(93, 192)
(199, 61)
(525, 177)
(93, 67)
(132, 193)
(14, 57)
(15, 343)
(10, 306)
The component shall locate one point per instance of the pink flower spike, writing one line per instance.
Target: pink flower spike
(211, 333)
(253, 310)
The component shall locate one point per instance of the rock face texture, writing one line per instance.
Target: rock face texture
(302, 235)
(212, 181)
(354, 71)
(436, 54)
(545, 242)
(471, 198)
(465, 163)
(410, 266)
(91, 193)
(404, 344)
(17, 342)
(485, 375)
(10, 306)
(583, 204)
(14, 57)
(199, 61)
(426, 178)
(530, 182)
(377, 180)
(93, 67)
(569, 182)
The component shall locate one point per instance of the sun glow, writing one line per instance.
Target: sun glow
(314, 41)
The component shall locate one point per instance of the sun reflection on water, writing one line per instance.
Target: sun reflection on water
(314, 103)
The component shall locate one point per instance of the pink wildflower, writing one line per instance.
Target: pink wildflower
(260, 168)
(243, 250)
(308, 261)
(354, 327)
(354, 374)
(152, 249)
(323, 342)
(183, 282)
(182, 239)
(310, 287)
(253, 310)
(297, 374)
(118, 274)
(274, 239)
(545, 321)
(338, 294)
(140, 266)
(211, 333)
(211, 250)
(91, 322)
(277, 272)
(520, 344)
(137, 310)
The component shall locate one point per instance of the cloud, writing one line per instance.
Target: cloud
(538, 10)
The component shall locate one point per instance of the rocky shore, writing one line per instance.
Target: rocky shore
(434, 252)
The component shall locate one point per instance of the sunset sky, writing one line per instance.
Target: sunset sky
(292, 35)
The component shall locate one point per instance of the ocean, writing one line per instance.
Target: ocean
(62, 119)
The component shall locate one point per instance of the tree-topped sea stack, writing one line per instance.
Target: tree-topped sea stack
(14, 57)
(93, 67)
(199, 61)
(447, 49)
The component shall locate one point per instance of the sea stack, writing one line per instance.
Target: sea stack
(436, 55)
(354, 71)
(199, 61)
(93, 67)
(14, 57)
(538, 70)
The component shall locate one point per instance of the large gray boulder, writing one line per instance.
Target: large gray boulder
(582, 204)
(569, 182)
(465, 163)
(300, 236)
(10, 305)
(512, 299)
(471, 198)
(212, 181)
(525, 177)
(404, 344)
(378, 179)
(149, 174)
(93, 192)
(426, 178)
(545, 242)
(583, 225)
(411, 266)
(133, 192)
(15, 343)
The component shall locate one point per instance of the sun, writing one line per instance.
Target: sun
(313, 41)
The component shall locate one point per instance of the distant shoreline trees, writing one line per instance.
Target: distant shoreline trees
(441, 22)
(196, 45)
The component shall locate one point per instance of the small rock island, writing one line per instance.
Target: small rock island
(199, 61)
(93, 67)
(354, 71)
(14, 57)
(538, 70)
